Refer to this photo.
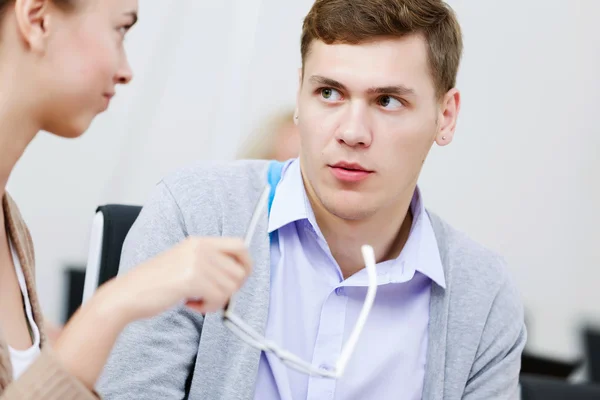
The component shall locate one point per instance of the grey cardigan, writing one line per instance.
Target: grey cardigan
(476, 329)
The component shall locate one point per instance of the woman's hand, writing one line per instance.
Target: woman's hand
(201, 272)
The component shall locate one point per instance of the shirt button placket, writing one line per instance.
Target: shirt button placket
(328, 345)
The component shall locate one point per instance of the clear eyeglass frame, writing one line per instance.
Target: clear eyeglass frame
(247, 334)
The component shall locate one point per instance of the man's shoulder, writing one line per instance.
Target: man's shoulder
(211, 195)
(481, 297)
(202, 176)
(472, 269)
(209, 184)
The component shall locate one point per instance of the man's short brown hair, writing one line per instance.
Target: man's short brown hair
(357, 21)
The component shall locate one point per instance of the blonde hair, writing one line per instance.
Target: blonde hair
(260, 145)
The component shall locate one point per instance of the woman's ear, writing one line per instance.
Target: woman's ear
(33, 22)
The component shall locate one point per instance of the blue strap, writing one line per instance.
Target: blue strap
(274, 176)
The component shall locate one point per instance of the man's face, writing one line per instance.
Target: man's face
(367, 116)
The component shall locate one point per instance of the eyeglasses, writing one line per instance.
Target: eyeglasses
(254, 339)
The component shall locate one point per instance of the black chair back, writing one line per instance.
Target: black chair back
(592, 352)
(118, 220)
(545, 388)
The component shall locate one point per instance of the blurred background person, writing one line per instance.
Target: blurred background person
(276, 139)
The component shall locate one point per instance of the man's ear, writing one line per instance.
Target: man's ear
(449, 109)
(33, 22)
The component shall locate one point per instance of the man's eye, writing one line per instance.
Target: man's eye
(389, 102)
(330, 94)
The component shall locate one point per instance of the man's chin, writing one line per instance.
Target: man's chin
(350, 207)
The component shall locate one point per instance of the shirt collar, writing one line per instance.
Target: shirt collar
(289, 203)
(420, 252)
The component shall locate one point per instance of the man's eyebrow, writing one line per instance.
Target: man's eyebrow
(323, 81)
(393, 90)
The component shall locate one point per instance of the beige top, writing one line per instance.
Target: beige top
(46, 378)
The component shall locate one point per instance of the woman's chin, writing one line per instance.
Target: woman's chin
(70, 129)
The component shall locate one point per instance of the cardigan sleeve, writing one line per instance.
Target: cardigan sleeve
(47, 379)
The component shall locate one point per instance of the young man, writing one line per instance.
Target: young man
(376, 92)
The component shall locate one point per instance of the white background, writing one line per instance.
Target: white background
(520, 177)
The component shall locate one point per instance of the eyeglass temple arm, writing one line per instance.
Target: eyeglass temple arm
(258, 210)
(369, 258)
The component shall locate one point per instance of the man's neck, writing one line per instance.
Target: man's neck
(386, 231)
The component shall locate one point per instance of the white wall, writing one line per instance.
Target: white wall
(518, 176)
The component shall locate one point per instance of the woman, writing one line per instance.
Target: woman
(60, 61)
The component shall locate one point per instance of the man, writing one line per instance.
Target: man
(376, 92)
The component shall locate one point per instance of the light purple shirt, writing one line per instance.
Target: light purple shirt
(312, 309)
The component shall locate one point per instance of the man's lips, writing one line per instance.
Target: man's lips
(349, 172)
(351, 166)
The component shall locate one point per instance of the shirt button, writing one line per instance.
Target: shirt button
(340, 291)
(325, 367)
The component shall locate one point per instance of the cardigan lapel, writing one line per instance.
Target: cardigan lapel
(222, 357)
(433, 388)
(20, 237)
